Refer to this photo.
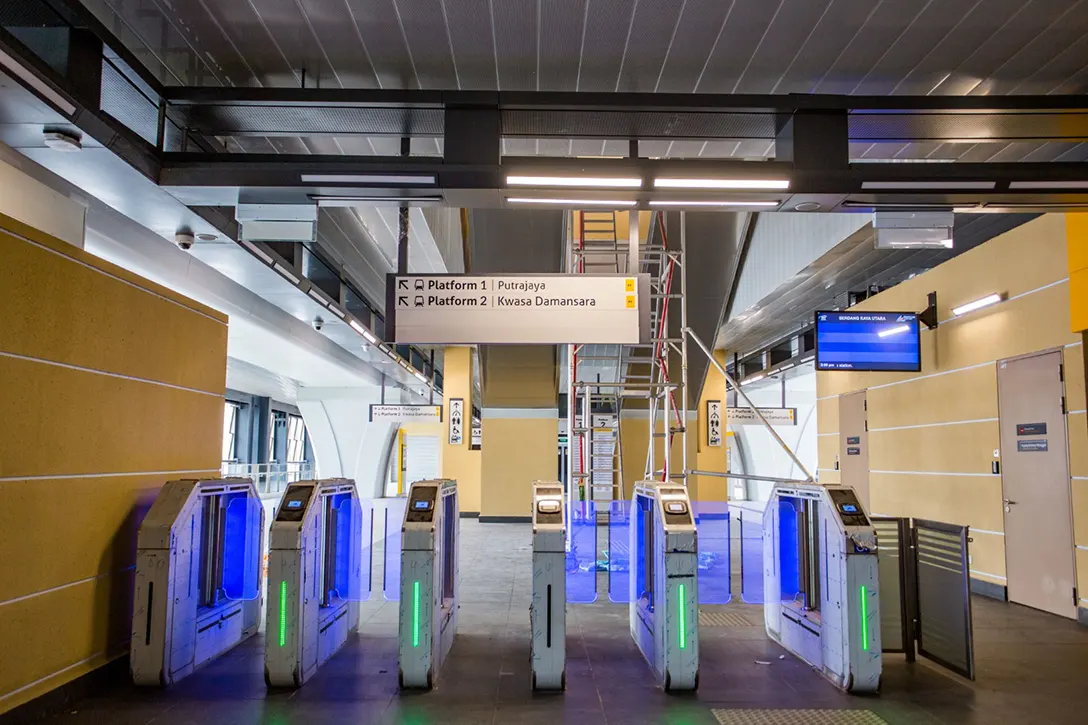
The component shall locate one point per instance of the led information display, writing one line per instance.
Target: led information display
(878, 341)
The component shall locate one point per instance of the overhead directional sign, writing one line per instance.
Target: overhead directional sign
(774, 416)
(545, 309)
(380, 413)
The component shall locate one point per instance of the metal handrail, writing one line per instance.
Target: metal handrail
(271, 479)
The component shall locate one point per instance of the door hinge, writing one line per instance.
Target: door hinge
(865, 404)
(1063, 405)
(1061, 373)
(866, 426)
(1076, 601)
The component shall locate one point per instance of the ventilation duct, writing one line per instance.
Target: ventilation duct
(913, 229)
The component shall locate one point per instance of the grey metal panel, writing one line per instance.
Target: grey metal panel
(696, 35)
(380, 32)
(561, 44)
(335, 26)
(516, 43)
(739, 39)
(607, 22)
(783, 245)
(516, 240)
(469, 26)
(893, 536)
(650, 41)
(945, 632)
(830, 37)
(423, 23)
(793, 25)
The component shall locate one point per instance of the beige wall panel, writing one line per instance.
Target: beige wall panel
(827, 448)
(964, 395)
(829, 476)
(987, 553)
(827, 415)
(967, 448)
(1082, 575)
(1073, 358)
(54, 630)
(516, 452)
(96, 536)
(1078, 445)
(1079, 489)
(112, 325)
(60, 421)
(965, 500)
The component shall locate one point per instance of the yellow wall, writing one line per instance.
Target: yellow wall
(951, 405)
(517, 451)
(635, 431)
(460, 462)
(711, 488)
(111, 385)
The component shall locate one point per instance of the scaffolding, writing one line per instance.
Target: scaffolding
(654, 373)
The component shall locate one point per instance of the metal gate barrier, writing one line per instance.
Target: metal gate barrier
(925, 591)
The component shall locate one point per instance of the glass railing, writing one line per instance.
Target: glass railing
(270, 478)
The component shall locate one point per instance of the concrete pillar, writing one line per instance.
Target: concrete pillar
(459, 462)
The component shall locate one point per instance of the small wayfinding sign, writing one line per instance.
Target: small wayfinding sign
(381, 413)
(774, 416)
(546, 309)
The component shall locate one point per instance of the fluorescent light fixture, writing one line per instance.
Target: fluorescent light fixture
(257, 250)
(421, 376)
(760, 184)
(358, 328)
(337, 311)
(370, 337)
(754, 379)
(978, 304)
(350, 201)
(719, 202)
(318, 296)
(924, 185)
(285, 272)
(405, 179)
(574, 203)
(603, 182)
(787, 366)
(897, 330)
(31, 79)
(1048, 184)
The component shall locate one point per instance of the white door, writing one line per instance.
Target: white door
(421, 458)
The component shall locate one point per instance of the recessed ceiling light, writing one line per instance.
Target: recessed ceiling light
(574, 203)
(607, 182)
(807, 206)
(669, 183)
(63, 141)
(402, 179)
(205, 237)
(706, 202)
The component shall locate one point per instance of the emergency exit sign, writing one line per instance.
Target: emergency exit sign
(543, 309)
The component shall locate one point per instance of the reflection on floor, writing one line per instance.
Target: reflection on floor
(1031, 669)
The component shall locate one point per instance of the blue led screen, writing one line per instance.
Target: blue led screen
(884, 341)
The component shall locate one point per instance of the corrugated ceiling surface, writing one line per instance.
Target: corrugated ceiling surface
(782, 245)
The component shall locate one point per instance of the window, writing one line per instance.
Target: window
(296, 440)
(230, 431)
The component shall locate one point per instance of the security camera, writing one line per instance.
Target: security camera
(184, 240)
(318, 323)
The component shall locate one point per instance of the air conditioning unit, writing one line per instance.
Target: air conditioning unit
(913, 229)
(277, 222)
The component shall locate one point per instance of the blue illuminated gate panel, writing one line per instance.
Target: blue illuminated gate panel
(712, 527)
(352, 574)
(582, 557)
(751, 560)
(619, 552)
(789, 567)
(242, 548)
(391, 512)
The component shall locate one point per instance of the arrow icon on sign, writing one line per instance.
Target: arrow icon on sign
(402, 284)
(402, 300)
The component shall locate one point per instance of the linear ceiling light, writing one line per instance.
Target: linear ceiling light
(1048, 184)
(350, 201)
(31, 79)
(978, 304)
(363, 331)
(754, 379)
(574, 203)
(721, 202)
(256, 250)
(406, 179)
(925, 185)
(760, 184)
(897, 330)
(317, 296)
(286, 272)
(603, 182)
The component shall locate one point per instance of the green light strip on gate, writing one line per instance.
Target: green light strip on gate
(864, 620)
(283, 613)
(683, 620)
(415, 614)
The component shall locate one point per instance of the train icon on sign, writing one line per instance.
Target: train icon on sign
(419, 284)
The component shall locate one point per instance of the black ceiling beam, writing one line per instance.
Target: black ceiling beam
(607, 101)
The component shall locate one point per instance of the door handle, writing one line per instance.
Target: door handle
(1009, 503)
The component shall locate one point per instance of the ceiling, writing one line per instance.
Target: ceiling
(851, 265)
(851, 47)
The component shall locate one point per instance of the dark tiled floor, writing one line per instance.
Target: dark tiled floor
(1031, 667)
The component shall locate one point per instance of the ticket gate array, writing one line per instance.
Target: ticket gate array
(548, 611)
(664, 601)
(198, 572)
(428, 581)
(314, 578)
(821, 582)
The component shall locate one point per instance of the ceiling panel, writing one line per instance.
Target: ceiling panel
(649, 44)
(341, 47)
(740, 38)
(604, 43)
(698, 30)
(424, 27)
(793, 25)
(470, 34)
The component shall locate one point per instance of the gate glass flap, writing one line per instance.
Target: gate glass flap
(242, 548)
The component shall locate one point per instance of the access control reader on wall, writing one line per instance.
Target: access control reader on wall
(548, 612)
(314, 578)
(664, 583)
(820, 580)
(428, 581)
(198, 577)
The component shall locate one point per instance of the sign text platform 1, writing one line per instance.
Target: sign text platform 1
(518, 309)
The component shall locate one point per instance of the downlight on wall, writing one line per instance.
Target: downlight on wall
(987, 301)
